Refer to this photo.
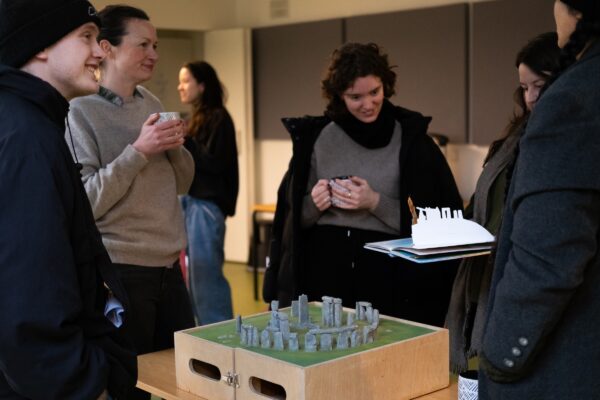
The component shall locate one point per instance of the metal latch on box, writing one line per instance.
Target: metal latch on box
(231, 379)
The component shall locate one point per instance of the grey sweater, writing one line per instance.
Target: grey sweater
(134, 198)
(336, 154)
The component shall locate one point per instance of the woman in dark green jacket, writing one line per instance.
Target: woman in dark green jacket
(536, 63)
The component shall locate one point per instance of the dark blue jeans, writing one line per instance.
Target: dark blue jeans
(209, 290)
(159, 306)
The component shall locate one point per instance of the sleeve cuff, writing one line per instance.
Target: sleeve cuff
(135, 156)
(496, 374)
(388, 211)
(310, 212)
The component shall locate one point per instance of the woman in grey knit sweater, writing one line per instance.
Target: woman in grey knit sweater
(133, 167)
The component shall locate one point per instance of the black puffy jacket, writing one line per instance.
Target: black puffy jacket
(424, 176)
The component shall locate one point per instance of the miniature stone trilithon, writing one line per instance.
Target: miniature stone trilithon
(285, 330)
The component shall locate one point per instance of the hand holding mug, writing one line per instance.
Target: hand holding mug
(157, 136)
(353, 193)
(320, 195)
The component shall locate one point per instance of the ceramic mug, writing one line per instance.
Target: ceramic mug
(168, 116)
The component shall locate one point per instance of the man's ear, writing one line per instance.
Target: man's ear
(42, 55)
(105, 46)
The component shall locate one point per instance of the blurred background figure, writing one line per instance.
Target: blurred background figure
(349, 180)
(536, 62)
(213, 194)
(133, 169)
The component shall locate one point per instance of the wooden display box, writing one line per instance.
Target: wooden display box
(407, 360)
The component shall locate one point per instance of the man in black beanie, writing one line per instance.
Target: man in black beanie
(61, 301)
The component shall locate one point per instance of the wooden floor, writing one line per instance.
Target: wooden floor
(240, 279)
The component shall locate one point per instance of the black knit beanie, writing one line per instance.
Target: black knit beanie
(29, 26)
(589, 8)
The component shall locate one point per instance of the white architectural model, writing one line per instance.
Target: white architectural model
(445, 228)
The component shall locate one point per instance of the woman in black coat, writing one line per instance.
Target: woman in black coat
(540, 340)
(321, 223)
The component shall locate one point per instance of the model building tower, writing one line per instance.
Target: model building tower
(445, 228)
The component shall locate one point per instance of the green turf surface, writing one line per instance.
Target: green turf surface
(387, 333)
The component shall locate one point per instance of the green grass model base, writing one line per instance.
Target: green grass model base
(389, 331)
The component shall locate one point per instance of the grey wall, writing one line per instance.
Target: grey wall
(288, 64)
(430, 49)
(499, 30)
(455, 63)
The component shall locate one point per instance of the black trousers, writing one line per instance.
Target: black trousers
(337, 265)
(159, 306)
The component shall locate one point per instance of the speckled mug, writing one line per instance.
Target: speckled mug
(168, 116)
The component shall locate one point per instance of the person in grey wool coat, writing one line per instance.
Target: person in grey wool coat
(540, 340)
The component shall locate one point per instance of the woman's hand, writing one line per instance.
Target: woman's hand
(155, 138)
(354, 194)
(320, 195)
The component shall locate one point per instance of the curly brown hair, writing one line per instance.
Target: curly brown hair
(350, 62)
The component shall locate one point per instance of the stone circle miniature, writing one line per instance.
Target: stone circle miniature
(284, 330)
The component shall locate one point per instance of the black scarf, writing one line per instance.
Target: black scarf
(373, 135)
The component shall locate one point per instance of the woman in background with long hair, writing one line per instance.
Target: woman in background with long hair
(213, 194)
(536, 63)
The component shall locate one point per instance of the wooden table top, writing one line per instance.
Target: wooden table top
(156, 375)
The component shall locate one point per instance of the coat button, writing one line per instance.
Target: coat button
(509, 363)
(523, 341)
(516, 351)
